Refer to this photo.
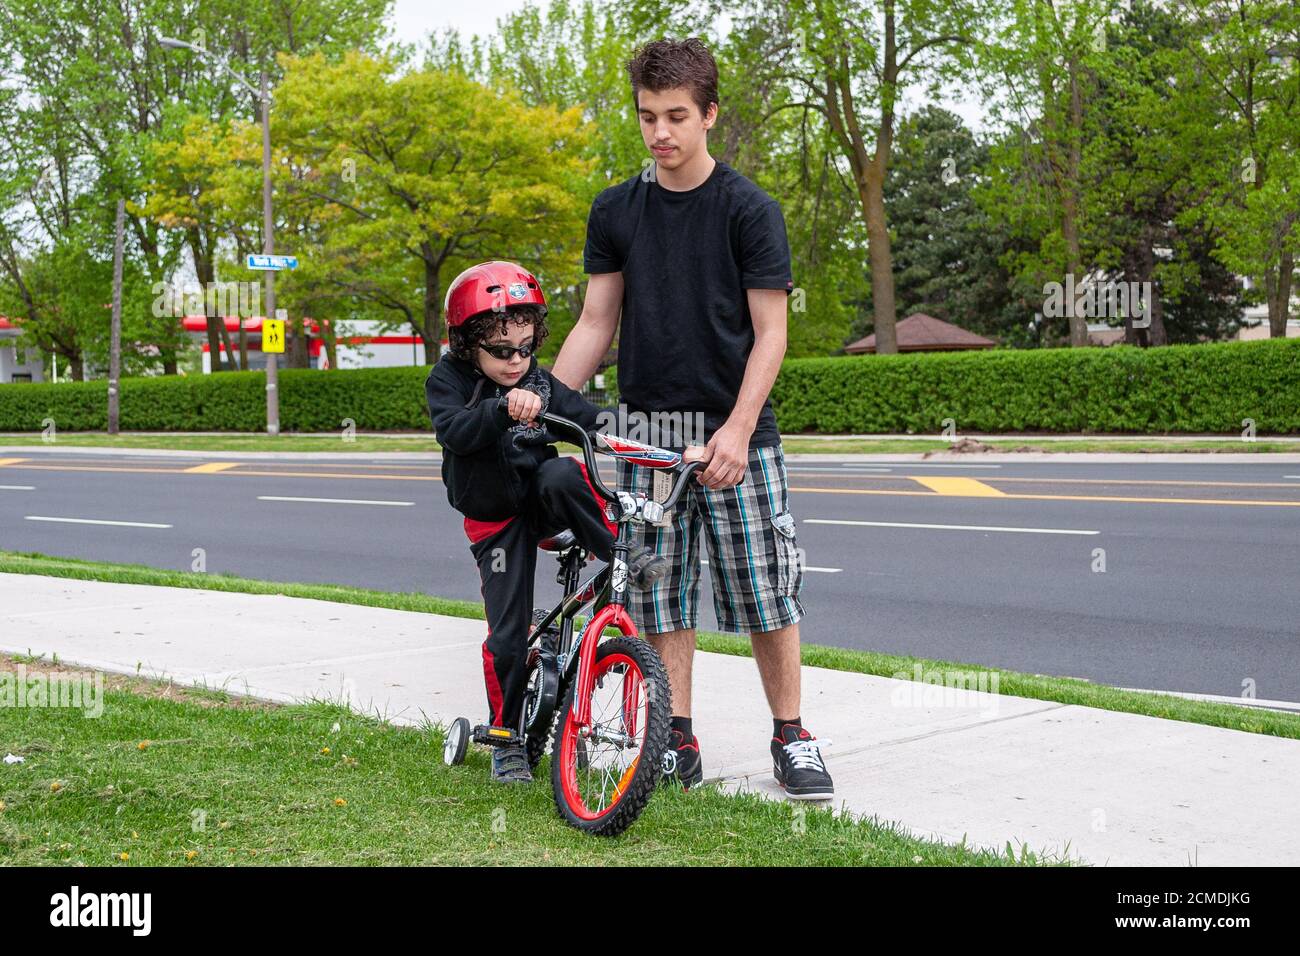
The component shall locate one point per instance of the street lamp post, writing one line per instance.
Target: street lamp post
(263, 97)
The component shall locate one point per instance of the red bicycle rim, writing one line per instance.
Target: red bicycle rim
(610, 781)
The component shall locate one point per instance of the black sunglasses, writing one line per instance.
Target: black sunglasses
(504, 352)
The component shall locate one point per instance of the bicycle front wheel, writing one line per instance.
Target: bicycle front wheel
(603, 775)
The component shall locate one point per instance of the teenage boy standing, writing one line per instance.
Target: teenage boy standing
(696, 260)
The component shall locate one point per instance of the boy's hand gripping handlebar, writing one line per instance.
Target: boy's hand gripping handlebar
(572, 429)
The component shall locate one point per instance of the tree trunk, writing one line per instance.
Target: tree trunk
(1070, 206)
(881, 258)
(301, 352)
(432, 331)
(1279, 296)
(330, 342)
(1156, 334)
(218, 335)
(76, 368)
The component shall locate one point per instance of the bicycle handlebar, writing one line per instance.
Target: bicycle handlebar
(684, 469)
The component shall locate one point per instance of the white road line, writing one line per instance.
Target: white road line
(122, 524)
(806, 567)
(335, 501)
(946, 527)
(934, 464)
(814, 470)
(1291, 476)
(17, 487)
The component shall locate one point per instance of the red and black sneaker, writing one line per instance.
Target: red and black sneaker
(798, 766)
(682, 764)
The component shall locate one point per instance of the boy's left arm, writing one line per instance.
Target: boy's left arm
(570, 404)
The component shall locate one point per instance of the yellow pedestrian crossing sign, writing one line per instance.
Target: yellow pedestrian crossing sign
(273, 335)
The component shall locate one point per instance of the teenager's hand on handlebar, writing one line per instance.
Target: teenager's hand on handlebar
(696, 453)
(728, 457)
(523, 405)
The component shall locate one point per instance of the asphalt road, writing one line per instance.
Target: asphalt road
(1199, 592)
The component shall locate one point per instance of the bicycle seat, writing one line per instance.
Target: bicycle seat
(558, 542)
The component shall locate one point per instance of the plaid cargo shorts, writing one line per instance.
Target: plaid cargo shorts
(754, 563)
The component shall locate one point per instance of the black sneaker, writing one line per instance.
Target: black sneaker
(682, 764)
(644, 568)
(510, 765)
(798, 766)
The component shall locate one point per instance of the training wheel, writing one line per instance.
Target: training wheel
(456, 743)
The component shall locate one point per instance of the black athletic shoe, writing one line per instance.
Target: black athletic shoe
(644, 568)
(682, 764)
(510, 765)
(798, 766)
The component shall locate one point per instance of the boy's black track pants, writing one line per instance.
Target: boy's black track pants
(559, 496)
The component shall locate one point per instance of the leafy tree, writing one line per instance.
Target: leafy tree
(423, 172)
(946, 248)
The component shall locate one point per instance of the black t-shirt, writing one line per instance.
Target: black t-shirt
(687, 258)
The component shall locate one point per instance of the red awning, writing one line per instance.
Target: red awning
(199, 323)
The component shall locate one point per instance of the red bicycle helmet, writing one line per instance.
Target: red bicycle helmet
(491, 287)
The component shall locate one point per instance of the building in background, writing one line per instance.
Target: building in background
(27, 367)
(364, 344)
(924, 333)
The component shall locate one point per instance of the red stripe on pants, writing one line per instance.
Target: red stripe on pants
(600, 502)
(477, 530)
(495, 698)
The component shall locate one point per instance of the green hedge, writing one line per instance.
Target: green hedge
(1184, 388)
(1181, 388)
(378, 399)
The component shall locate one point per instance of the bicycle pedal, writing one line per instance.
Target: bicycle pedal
(495, 736)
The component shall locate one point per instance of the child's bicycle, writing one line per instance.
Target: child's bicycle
(613, 699)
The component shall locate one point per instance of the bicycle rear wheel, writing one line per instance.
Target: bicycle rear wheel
(604, 776)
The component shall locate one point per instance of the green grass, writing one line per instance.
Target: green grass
(175, 777)
(333, 443)
(1063, 690)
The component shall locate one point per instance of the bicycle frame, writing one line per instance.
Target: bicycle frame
(577, 660)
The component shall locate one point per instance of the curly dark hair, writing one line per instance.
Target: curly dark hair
(668, 64)
(463, 340)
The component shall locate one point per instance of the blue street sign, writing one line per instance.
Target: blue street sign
(256, 261)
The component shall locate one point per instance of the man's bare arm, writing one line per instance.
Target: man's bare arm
(767, 310)
(591, 336)
(728, 449)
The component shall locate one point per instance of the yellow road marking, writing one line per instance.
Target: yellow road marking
(1000, 479)
(968, 486)
(1010, 497)
(962, 487)
(211, 468)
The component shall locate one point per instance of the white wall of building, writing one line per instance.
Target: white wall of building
(11, 363)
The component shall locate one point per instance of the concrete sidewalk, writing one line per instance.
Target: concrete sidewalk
(1103, 787)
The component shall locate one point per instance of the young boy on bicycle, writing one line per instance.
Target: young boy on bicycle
(503, 473)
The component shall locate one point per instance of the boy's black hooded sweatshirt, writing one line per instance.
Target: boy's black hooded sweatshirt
(488, 457)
